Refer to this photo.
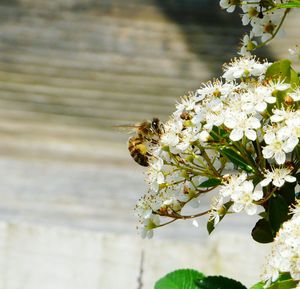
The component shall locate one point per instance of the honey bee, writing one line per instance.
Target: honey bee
(147, 134)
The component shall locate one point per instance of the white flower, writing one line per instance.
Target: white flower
(233, 184)
(155, 176)
(216, 209)
(242, 125)
(251, 11)
(258, 98)
(149, 224)
(204, 136)
(244, 196)
(278, 85)
(244, 67)
(266, 26)
(277, 147)
(278, 176)
(247, 44)
(290, 126)
(170, 139)
(229, 5)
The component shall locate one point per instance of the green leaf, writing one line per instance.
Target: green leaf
(211, 224)
(294, 78)
(278, 212)
(179, 279)
(284, 276)
(210, 183)
(287, 191)
(262, 232)
(290, 4)
(286, 284)
(236, 159)
(280, 69)
(267, 3)
(219, 282)
(259, 285)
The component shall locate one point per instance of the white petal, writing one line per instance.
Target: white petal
(290, 179)
(257, 195)
(230, 9)
(204, 135)
(251, 209)
(265, 182)
(194, 203)
(267, 152)
(230, 122)
(260, 107)
(236, 134)
(283, 86)
(245, 20)
(290, 144)
(160, 178)
(250, 134)
(276, 118)
(254, 122)
(278, 182)
(237, 207)
(280, 157)
(270, 99)
(265, 37)
(269, 137)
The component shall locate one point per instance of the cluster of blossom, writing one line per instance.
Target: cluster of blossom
(285, 255)
(264, 20)
(241, 114)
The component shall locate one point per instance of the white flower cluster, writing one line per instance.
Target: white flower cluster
(240, 115)
(285, 255)
(260, 15)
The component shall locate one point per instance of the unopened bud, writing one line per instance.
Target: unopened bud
(288, 100)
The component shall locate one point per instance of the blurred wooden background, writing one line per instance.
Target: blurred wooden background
(70, 71)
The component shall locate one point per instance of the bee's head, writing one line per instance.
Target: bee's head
(155, 123)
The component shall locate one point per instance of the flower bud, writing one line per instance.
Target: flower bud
(288, 100)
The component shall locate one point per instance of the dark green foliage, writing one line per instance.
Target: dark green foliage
(259, 285)
(236, 159)
(219, 282)
(179, 279)
(210, 183)
(262, 232)
(278, 212)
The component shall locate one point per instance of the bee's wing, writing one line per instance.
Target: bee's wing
(127, 127)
